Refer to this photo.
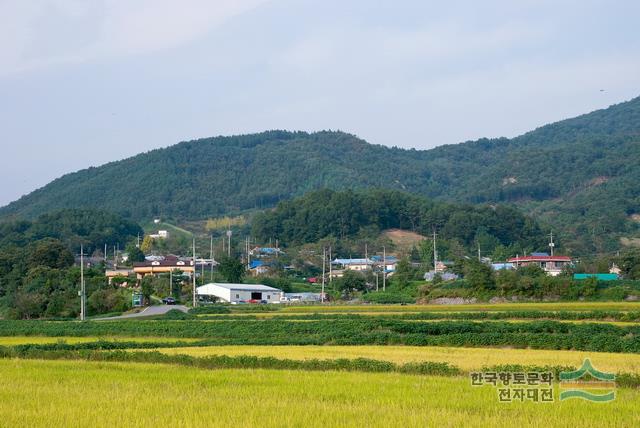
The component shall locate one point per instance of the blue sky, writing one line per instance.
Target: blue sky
(87, 82)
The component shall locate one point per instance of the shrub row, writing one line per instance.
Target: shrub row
(237, 362)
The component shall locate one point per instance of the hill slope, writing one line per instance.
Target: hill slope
(579, 175)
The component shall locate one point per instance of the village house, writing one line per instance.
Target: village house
(552, 265)
(353, 264)
(165, 265)
(258, 267)
(389, 262)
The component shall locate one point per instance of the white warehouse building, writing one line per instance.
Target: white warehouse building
(234, 293)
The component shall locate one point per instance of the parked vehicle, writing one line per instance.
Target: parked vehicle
(169, 301)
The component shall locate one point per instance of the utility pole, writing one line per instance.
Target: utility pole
(195, 302)
(138, 244)
(247, 245)
(479, 256)
(83, 309)
(384, 269)
(211, 256)
(330, 267)
(229, 233)
(324, 260)
(105, 254)
(551, 244)
(435, 251)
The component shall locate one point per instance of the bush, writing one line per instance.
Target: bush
(388, 298)
(108, 300)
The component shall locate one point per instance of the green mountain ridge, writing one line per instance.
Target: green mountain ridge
(579, 175)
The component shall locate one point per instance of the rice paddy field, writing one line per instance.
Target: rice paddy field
(332, 366)
(67, 394)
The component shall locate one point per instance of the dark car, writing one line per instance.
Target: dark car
(169, 301)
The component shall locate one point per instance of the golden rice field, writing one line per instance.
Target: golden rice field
(484, 307)
(90, 394)
(467, 359)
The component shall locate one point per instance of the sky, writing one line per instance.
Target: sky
(86, 82)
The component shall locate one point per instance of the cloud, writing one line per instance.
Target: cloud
(41, 33)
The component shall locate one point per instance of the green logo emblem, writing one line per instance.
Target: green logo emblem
(580, 383)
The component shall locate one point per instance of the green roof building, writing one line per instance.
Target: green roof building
(598, 276)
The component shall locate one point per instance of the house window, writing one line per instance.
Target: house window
(269, 297)
(237, 296)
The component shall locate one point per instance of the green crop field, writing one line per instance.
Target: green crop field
(22, 340)
(62, 394)
(550, 306)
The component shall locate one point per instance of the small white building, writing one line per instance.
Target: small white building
(234, 293)
(162, 234)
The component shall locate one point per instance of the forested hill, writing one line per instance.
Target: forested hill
(580, 175)
(500, 230)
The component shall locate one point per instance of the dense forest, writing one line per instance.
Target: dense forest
(579, 176)
(365, 213)
(37, 273)
(73, 227)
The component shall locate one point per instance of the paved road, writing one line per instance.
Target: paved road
(149, 311)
